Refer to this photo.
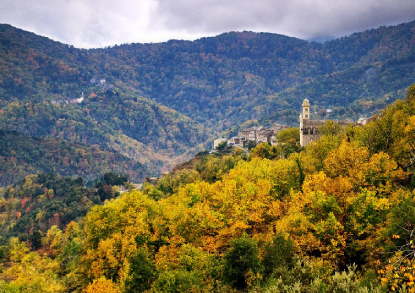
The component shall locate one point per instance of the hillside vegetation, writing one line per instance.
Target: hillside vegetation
(33, 205)
(338, 216)
(21, 155)
(159, 103)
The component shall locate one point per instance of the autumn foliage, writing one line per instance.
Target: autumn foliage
(339, 216)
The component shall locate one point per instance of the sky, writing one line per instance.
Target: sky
(101, 23)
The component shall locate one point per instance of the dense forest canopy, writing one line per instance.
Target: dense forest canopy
(21, 155)
(335, 216)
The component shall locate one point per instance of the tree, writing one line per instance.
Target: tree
(330, 128)
(35, 240)
(279, 253)
(288, 141)
(222, 145)
(241, 261)
(251, 145)
(111, 178)
(289, 136)
(264, 150)
(316, 152)
(141, 274)
(102, 285)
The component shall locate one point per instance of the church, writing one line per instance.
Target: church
(309, 128)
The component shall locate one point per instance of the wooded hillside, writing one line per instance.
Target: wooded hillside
(336, 216)
(159, 103)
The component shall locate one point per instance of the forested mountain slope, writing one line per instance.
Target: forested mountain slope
(335, 216)
(21, 155)
(37, 202)
(239, 76)
(157, 103)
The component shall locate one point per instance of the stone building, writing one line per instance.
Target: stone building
(264, 135)
(309, 129)
(257, 134)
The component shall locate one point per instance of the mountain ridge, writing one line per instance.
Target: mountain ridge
(162, 102)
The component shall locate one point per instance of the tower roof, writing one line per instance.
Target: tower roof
(306, 103)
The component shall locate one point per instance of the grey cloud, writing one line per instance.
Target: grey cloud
(219, 16)
(91, 23)
(80, 22)
(301, 18)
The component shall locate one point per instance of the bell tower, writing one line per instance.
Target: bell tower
(304, 117)
(306, 109)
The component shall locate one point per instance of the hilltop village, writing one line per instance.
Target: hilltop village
(256, 135)
(260, 134)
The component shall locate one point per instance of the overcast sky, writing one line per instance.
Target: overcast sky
(95, 23)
